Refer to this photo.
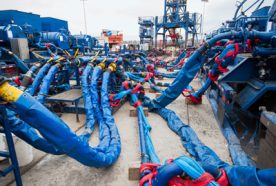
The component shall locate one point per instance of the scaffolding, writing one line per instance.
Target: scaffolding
(177, 18)
(146, 30)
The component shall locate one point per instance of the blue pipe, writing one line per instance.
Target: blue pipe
(181, 56)
(145, 158)
(192, 168)
(134, 77)
(41, 46)
(166, 173)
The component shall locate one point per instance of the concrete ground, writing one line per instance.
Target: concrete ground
(62, 170)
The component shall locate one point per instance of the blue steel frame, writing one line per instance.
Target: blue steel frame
(11, 153)
(176, 16)
(148, 23)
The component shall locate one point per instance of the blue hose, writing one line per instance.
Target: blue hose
(96, 106)
(87, 99)
(145, 138)
(192, 168)
(189, 139)
(19, 63)
(28, 77)
(134, 77)
(205, 87)
(40, 75)
(29, 134)
(171, 75)
(54, 130)
(109, 123)
(243, 175)
(44, 90)
(181, 56)
(23, 130)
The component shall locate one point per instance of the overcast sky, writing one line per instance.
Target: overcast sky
(119, 14)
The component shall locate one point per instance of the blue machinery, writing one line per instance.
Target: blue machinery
(176, 17)
(257, 20)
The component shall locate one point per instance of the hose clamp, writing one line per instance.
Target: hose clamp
(101, 65)
(112, 67)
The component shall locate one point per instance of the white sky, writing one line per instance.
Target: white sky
(119, 14)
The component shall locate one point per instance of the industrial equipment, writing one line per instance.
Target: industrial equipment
(146, 30)
(235, 65)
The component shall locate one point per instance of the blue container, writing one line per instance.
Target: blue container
(50, 24)
(20, 18)
(59, 39)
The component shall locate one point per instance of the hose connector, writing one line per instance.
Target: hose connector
(58, 62)
(50, 60)
(60, 59)
(102, 64)
(94, 59)
(112, 67)
(9, 93)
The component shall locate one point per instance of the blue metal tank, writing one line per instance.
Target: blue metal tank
(59, 39)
